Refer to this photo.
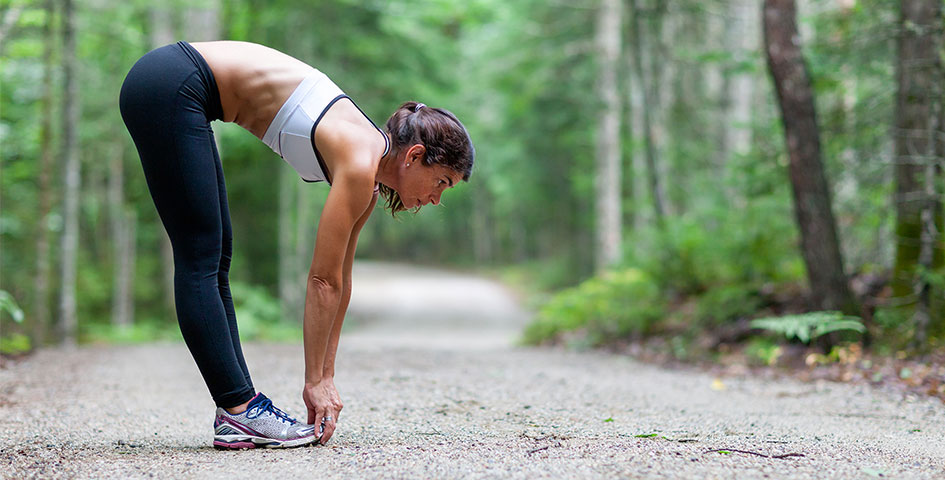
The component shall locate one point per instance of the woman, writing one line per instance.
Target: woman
(168, 100)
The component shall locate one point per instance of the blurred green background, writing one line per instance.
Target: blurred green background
(672, 101)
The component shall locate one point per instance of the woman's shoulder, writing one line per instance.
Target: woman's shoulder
(345, 132)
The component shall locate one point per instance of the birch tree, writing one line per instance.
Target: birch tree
(41, 282)
(649, 105)
(608, 137)
(68, 320)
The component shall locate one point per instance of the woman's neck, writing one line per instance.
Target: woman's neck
(387, 171)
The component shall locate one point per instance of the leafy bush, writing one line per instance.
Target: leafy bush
(614, 305)
(139, 332)
(14, 344)
(720, 246)
(720, 305)
(763, 351)
(808, 326)
(259, 315)
(540, 276)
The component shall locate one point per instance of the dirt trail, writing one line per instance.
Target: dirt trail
(434, 388)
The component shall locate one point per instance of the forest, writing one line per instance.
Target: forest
(708, 173)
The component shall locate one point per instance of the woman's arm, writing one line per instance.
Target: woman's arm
(329, 363)
(348, 201)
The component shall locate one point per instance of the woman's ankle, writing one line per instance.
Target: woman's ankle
(237, 409)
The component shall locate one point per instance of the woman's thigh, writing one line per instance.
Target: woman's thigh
(169, 126)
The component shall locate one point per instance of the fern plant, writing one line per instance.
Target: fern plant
(808, 326)
(8, 304)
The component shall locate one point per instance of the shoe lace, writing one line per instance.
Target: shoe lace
(267, 406)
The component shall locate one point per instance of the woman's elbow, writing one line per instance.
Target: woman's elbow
(325, 285)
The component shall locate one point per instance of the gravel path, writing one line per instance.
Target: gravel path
(433, 388)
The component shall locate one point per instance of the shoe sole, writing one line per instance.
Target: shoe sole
(238, 442)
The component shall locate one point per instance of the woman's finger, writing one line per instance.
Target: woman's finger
(329, 430)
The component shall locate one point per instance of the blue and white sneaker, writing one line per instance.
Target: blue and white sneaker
(262, 425)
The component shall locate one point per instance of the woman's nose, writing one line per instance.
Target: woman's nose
(435, 200)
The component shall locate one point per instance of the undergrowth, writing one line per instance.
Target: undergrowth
(709, 288)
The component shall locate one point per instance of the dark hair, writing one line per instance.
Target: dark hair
(443, 136)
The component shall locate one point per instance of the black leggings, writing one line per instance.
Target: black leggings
(167, 102)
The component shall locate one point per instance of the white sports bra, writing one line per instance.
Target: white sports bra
(292, 132)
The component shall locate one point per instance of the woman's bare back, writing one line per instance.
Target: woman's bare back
(254, 81)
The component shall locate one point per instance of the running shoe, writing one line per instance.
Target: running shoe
(262, 425)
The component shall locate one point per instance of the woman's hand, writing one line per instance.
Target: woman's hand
(322, 400)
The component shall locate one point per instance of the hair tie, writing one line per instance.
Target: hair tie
(418, 107)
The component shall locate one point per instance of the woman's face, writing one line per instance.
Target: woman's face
(421, 184)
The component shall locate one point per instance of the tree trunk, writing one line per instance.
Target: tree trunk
(608, 137)
(483, 220)
(123, 293)
(167, 274)
(41, 283)
(649, 103)
(122, 232)
(819, 245)
(918, 99)
(928, 317)
(628, 170)
(723, 29)
(304, 246)
(743, 39)
(637, 181)
(68, 320)
(162, 33)
(202, 23)
(288, 282)
(8, 23)
(482, 236)
(162, 26)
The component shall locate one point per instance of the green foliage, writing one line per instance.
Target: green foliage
(808, 326)
(259, 315)
(539, 276)
(521, 75)
(616, 304)
(140, 332)
(763, 351)
(14, 344)
(718, 246)
(728, 302)
(895, 325)
(935, 278)
(8, 305)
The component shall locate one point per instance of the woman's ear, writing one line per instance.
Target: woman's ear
(415, 154)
